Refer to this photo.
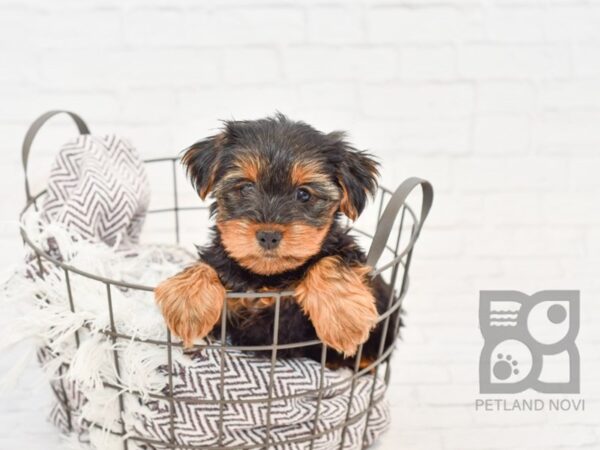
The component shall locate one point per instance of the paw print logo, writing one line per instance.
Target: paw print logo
(524, 333)
(505, 367)
(510, 362)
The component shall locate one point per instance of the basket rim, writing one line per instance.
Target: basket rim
(141, 287)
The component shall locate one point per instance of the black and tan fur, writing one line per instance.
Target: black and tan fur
(285, 180)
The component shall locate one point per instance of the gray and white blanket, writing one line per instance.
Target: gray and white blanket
(98, 187)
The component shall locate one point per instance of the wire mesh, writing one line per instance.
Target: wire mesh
(396, 271)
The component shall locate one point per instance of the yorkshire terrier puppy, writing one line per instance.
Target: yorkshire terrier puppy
(280, 188)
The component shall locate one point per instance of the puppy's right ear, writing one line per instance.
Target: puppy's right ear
(201, 161)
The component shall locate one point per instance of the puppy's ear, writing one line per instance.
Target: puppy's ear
(201, 161)
(357, 177)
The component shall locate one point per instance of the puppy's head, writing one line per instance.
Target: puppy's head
(278, 186)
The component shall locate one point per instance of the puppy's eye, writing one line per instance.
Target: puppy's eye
(246, 188)
(302, 195)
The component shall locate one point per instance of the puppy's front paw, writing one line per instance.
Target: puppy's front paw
(191, 302)
(339, 304)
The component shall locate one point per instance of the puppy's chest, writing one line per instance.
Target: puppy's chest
(242, 281)
(248, 311)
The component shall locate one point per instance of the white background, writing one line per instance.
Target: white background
(497, 103)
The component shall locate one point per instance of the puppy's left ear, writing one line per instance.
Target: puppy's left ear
(201, 161)
(357, 176)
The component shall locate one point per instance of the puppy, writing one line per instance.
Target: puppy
(280, 188)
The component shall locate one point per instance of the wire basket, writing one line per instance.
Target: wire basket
(395, 228)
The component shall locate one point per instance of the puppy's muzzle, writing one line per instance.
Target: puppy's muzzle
(268, 240)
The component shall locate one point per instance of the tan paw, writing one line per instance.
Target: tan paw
(191, 302)
(339, 303)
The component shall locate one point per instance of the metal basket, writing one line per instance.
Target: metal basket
(396, 232)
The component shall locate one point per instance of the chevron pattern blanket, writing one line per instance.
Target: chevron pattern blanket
(97, 195)
(98, 187)
(295, 413)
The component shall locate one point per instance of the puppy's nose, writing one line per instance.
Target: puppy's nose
(268, 239)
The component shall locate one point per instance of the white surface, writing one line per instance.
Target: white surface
(497, 103)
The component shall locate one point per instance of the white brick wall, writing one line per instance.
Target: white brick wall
(496, 102)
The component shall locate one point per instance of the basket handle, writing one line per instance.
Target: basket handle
(386, 222)
(32, 132)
